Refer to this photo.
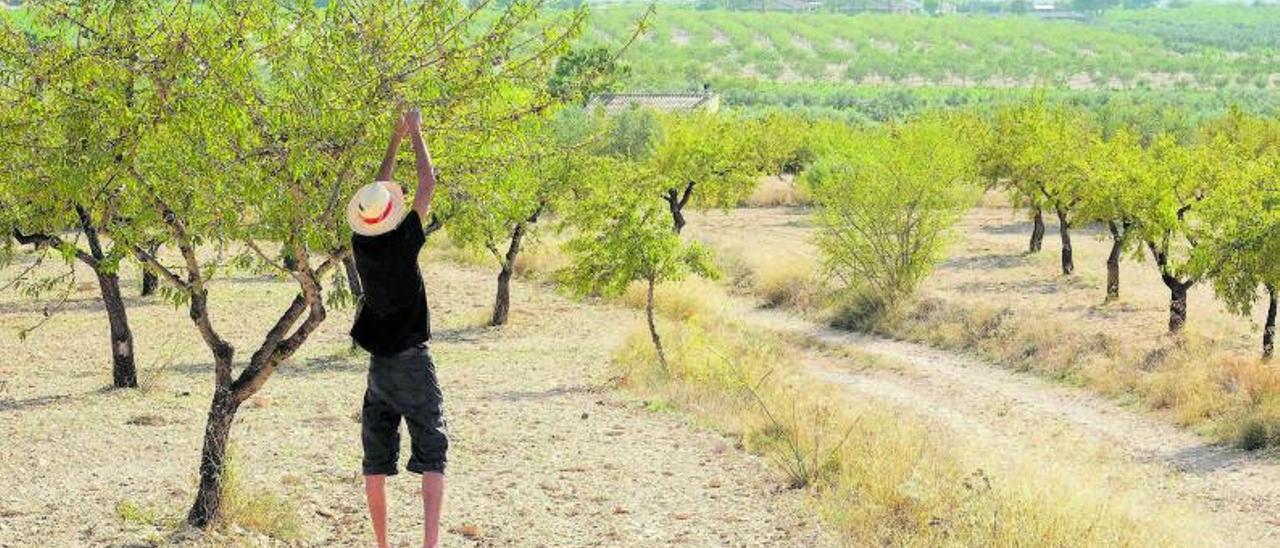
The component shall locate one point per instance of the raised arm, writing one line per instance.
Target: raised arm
(388, 166)
(422, 164)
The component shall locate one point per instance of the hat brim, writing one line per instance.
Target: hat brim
(363, 228)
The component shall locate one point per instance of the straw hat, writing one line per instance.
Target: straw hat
(376, 208)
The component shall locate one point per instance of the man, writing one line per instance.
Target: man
(393, 324)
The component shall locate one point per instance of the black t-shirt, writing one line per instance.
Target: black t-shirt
(393, 314)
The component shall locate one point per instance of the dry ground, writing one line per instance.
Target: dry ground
(544, 453)
(987, 264)
(1008, 416)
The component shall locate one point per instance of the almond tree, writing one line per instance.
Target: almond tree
(276, 114)
(1001, 146)
(1239, 251)
(1118, 170)
(1047, 159)
(1169, 221)
(85, 90)
(624, 236)
(703, 152)
(531, 176)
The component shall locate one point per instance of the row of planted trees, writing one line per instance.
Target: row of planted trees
(1203, 204)
(195, 140)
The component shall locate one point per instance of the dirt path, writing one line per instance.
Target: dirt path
(1012, 414)
(543, 453)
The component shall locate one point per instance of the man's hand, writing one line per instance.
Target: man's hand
(402, 126)
(413, 119)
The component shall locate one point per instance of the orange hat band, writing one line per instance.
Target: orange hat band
(379, 218)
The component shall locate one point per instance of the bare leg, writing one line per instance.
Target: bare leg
(432, 499)
(375, 491)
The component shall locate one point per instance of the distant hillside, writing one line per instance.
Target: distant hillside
(1204, 48)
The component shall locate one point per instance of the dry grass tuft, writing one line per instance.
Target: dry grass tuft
(878, 476)
(681, 300)
(792, 284)
(777, 192)
(255, 509)
(1221, 392)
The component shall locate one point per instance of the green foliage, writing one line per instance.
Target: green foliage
(887, 204)
(1240, 236)
(625, 235)
(1038, 150)
(586, 72)
(714, 153)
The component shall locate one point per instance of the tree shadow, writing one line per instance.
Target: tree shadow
(70, 305)
(1212, 457)
(550, 393)
(37, 402)
(1043, 287)
(341, 361)
(1015, 227)
(463, 334)
(987, 261)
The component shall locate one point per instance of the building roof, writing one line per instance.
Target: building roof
(613, 103)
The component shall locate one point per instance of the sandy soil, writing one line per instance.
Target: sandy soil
(544, 453)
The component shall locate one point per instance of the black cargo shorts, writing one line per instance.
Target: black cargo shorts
(403, 385)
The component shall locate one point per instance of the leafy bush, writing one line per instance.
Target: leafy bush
(887, 203)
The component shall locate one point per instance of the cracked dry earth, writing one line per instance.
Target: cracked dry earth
(544, 453)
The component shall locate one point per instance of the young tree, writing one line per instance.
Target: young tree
(887, 205)
(1048, 156)
(1001, 147)
(625, 236)
(1239, 250)
(706, 152)
(784, 142)
(498, 209)
(1169, 222)
(1118, 170)
(76, 113)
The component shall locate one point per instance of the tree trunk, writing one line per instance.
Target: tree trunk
(1113, 263)
(149, 278)
(213, 460)
(149, 282)
(123, 372)
(1037, 230)
(353, 277)
(653, 328)
(676, 203)
(1177, 306)
(1064, 230)
(677, 218)
(502, 302)
(1269, 329)
(1177, 288)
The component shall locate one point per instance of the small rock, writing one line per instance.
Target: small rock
(468, 530)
